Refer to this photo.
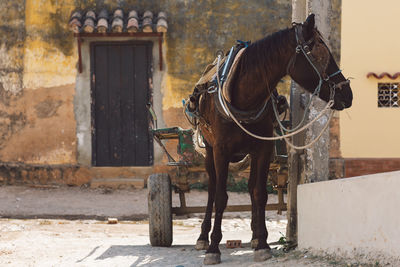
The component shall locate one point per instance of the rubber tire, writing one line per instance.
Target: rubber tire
(160, 209)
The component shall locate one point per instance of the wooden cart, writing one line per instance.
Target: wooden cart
(160, 186)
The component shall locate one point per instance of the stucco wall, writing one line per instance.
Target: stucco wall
(42, 96)
(41, 90)
(38, 58)
(369, 44)
(37, 79)
(350, 217)
(12, 37)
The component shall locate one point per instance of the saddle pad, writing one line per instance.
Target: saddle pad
(210, 72)
(226, 87)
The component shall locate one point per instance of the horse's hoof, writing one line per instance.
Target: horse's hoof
(254, 243)
(262, 255)
(202, 245)
(212, 258)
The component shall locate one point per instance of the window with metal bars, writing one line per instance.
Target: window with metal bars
(388, 95)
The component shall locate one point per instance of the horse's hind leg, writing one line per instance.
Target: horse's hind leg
(262, 160)
(213, 254)
(202, 242)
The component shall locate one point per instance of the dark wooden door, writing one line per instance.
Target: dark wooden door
(120, 92)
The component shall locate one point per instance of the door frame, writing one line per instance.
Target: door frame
(149, 47)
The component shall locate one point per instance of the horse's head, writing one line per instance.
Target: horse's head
(314, 68)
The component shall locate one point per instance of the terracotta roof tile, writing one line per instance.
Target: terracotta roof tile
(89, 21)
(103, 22)
(162, 24)
(133, 21)
(148, 21)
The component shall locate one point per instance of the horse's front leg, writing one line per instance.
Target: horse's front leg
(251, 186)
(202, 242)
(221, 162)
(262, 161)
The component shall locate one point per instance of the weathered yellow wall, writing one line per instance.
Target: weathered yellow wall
(43, 53)
(37, 79)
(199, 28)
(41, 107)
(38, 70)
(50, 56)
(370, 43)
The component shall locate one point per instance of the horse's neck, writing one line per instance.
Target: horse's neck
(253, 88)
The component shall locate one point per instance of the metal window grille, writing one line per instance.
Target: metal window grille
(388, 95)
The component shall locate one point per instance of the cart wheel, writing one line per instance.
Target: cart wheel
(160, 209)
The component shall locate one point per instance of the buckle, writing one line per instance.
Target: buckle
(212, 88)
(306, 48)
(298, 49)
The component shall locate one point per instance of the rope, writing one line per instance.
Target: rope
(224, 106)
(315, 139)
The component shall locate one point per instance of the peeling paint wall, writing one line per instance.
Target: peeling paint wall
(50, 56)
(39, 105)
(195, 38)
(12, 37)
(39, 78)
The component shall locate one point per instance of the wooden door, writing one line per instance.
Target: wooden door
(120, 75)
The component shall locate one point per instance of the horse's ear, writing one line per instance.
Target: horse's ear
(309, 26)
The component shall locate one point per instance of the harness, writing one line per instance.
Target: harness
(222, 80)
(229, 112)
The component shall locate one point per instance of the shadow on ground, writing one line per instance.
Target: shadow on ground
(179, 255)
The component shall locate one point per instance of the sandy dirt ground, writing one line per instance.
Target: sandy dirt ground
(43, 242)
(85, 203)
(89, 242)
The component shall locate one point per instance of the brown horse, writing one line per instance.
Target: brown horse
(298, 51)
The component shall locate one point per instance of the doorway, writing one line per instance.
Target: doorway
(120, 90)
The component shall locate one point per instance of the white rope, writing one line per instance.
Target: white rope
(313, 141)
(229, 113)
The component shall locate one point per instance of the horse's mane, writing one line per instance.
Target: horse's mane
(265, 53)
(261, 60)
(265, 56)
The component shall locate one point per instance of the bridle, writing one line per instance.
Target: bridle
(304, 47)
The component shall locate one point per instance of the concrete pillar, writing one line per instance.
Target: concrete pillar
(317, 157)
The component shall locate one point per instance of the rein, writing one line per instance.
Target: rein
(302, 46)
